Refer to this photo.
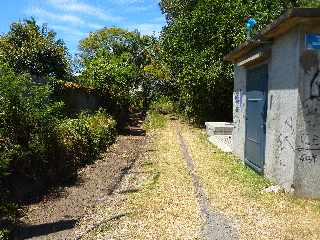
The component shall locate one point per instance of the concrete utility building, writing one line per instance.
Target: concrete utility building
(277, 101)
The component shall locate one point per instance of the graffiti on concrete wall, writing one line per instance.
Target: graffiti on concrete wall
(286, 138)
(308, 148)
(308, 158)
(311, 105)
(315, 86)
(236, 121)
(238, 101)
(311, 65)
(308, 142)
(238, 107)
(307, 145)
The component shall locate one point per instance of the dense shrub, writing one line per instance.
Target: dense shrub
(38, 144)
(31, 130)
(80, 140)
(163, 105)
(5, 157)
(28, 115)
(4, 234)
(102, 128)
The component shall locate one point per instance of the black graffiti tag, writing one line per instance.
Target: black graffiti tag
(309, 158)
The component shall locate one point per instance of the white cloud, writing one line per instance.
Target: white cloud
(138, 8)
(68, 30)
(38, 12)
(147, 28)
(84, 8)
(94, 26)
(76, 18)
(129, 2)
(46, 16)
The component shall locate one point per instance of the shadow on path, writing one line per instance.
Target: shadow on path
(30, 231)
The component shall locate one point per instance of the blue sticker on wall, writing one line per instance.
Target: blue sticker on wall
(313, 41)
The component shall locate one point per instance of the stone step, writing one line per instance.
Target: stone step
(219, 128)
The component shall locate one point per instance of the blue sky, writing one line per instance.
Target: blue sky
(74, 19)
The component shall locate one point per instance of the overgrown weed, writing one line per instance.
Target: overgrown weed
(155, 121)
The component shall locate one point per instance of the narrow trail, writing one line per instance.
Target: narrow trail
(144, 187)
(216, 226)
(69, 211)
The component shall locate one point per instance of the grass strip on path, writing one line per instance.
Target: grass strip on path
(238, 192)
(216, 226)
(160, 202)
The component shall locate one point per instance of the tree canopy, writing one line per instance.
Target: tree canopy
(30, 48)
(115, 41)
(193, 43)
(120, 63)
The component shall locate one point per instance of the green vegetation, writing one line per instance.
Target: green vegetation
(80, 140)
(28, 116)
(29, 48)
(163, 105)
(114, 62)
(4, 234)
(181, 72)
(38, 140)
(155, 121)
(158, 109)
(31, 60)
(197, 36)
(8, 214)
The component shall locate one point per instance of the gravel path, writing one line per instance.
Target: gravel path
(216, 226)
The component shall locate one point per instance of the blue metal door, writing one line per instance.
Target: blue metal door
(256, 114)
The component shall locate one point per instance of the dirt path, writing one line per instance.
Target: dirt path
(162, 198)
(61, 217)
(158, 200)
(144, 187)
(171, 184)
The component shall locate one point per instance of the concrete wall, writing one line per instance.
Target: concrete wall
(307, 163)
(282, 109)
(239, 111)
(293, 119)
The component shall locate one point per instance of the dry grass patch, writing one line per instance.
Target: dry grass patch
(237, 191)
(163, 205)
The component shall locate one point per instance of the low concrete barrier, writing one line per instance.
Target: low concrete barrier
(220, 134)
